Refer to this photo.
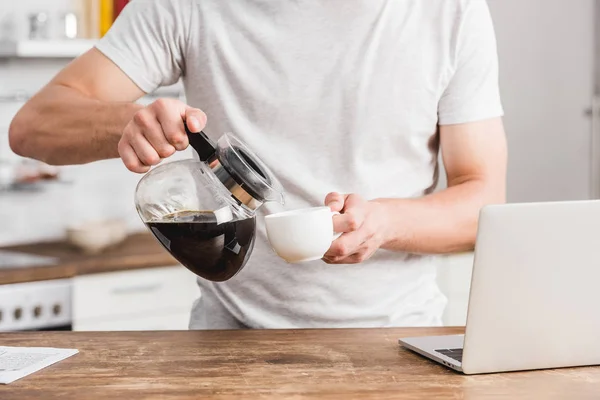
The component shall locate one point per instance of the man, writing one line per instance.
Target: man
(347, 101)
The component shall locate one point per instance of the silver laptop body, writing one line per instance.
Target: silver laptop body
(535, 292)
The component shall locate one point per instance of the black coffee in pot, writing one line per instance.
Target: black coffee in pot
(212, 250)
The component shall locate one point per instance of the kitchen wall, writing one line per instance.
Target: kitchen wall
(18, 11)
(546, 52)
(93, 191)
(98, 190)
(546, 60)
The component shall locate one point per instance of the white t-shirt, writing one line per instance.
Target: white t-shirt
(333, 95)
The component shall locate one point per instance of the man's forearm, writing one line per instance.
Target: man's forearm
(62, 126)
(442, 222)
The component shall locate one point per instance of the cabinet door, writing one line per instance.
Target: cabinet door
(156, 322)
(142, 292)
(454, 279)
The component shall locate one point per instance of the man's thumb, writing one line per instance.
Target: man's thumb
(195, 119)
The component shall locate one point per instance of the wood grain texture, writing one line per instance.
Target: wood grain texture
(137, 251)
(294, 364)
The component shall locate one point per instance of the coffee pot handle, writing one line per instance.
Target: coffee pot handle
(205, 147)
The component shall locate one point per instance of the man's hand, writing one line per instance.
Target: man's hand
(156, 132)
(363, 225)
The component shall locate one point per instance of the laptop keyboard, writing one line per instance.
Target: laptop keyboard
(455, 354)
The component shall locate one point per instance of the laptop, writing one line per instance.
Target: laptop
(535, 292)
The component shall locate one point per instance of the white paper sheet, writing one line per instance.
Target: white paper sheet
(18, 362)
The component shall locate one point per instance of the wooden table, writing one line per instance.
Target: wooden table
(296, 364)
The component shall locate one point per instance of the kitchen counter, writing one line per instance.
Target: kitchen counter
(137, 251)
(299, 364)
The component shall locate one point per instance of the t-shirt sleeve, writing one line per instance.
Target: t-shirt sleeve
(473, 93)
(148, 41)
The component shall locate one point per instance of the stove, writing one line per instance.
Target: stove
(39, 306)
(43, 305)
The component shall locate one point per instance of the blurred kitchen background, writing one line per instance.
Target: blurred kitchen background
(549, 80)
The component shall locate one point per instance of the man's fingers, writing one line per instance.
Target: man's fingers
(355, 258)
(157, 131)
(335, 201)
(358, 241)
(171, 115)
(353, 215)
(354, 203)
(143, 149)
(152, 130)
(345, 245)
(171, 123)
(130, 159)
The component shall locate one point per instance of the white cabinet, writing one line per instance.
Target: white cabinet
(145, 299)
(454, 280)
(164, 321)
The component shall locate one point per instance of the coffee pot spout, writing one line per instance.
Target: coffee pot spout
(277, 197)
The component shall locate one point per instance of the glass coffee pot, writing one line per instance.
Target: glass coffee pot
(204, 212)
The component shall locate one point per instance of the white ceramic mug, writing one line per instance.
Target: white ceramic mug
(301, 235)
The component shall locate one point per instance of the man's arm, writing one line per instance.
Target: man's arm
(86, 113)
(79, 116)
(475, 158)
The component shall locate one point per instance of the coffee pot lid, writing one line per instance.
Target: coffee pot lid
(246, 177)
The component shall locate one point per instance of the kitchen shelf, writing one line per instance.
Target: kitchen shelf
(45, 48)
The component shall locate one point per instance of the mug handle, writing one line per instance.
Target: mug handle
(336, 235)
